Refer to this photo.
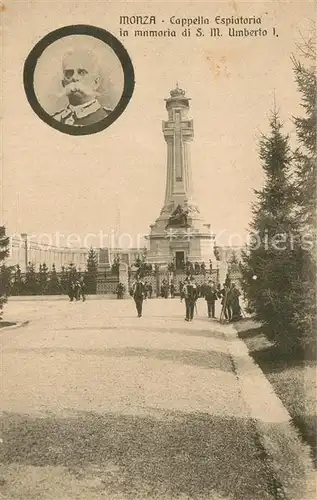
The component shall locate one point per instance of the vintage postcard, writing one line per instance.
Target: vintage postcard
(157, 250)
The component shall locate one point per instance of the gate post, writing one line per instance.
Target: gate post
(124, 277)
(157, 280)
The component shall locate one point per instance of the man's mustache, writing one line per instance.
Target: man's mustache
(77, 87)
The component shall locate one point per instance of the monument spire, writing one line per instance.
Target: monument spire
(178, 131)
(180, 232)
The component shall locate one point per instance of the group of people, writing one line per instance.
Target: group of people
(190, 292)
(191, 267)
(229, 295)
(76, 290)
(167, 289)
(231, 308)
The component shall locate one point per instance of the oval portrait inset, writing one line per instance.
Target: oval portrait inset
(79, 79)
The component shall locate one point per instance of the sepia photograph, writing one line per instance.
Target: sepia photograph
(77, 79)
(158, 278)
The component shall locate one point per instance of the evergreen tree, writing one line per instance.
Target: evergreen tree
(91, 272)
(72, 273)
(306, 154)
(4, 252)
(43, 278)
(234, 258)
(272, 265)
(18, 283)
(305, 181)
(143, 267)
(64, 279)
(53, 285)
(31, 280)
(6, 273)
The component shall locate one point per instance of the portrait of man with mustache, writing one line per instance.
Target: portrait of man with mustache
(81, 81)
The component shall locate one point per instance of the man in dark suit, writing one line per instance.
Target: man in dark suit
(138, 292)
(211, 297)
(81, 80)
(190, 294)
(224, 294)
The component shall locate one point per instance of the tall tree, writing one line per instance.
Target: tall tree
(306, 178)
(91, 272)
(72, 273)
(4, 252)
(234, 258)
(63, 279)
(272, 266)
(144, 268)
(43, 278)
(31, 280)
(306, 154)
(6, 275)
(53, 285)
(18, 286)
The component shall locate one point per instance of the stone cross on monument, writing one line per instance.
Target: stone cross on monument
(178, 131)
(178, 147)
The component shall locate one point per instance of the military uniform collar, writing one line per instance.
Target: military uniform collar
(85, 109)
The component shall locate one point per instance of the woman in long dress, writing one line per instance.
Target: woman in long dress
(234, 303)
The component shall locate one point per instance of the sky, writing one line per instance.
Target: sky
(54, 183)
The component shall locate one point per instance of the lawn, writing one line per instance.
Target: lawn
(293, 381)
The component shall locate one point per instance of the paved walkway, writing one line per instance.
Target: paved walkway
(100, 404)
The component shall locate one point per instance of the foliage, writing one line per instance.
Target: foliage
(274, 269)
(6, 275)
(40, 282)
(234, 259)
(63, 279)
(306, 175)
(4, 252)
(17, 287)
(31, 282)
(53, 286)
(43, 278)
(91, 273)
(143, 267)
(306, 153)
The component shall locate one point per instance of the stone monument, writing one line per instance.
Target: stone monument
(180, 232)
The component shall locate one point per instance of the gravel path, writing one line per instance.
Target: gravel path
(100, 404)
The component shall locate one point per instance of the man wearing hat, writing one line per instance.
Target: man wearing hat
(190, 294)
(211, 297)
(138, 293)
